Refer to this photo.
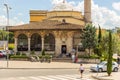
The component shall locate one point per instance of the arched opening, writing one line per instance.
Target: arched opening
(36, 42)
(77, 45)
(22, 44)
(49, 42)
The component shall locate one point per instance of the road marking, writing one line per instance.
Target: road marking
(49, 77)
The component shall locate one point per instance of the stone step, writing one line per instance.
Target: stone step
(61, 60)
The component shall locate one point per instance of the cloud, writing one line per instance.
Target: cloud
(58, 5)
(3, 20)
(12, 22)
(116, 6)
(56, 1)
(103, 16)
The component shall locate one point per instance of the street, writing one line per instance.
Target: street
(6, 74)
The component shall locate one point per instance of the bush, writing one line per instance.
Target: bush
(32, 52)
(43, 52)
(11, 46)
(18, 56)
(93, 56)
(17, 53)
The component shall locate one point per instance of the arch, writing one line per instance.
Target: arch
(22, 44)
(49, 42)
(36, 42)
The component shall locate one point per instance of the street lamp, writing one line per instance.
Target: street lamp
(7, 8)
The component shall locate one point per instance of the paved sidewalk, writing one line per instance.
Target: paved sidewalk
(28, 65)
(104, 76)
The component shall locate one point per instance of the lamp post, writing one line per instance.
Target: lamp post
(7, 9)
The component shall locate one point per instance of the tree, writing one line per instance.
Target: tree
(116, 43)
(5, 35)
(88, 37)
(99, 35)
(98, 47)
(105, 47)
(110, 54)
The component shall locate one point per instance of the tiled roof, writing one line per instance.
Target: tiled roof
(47, 24)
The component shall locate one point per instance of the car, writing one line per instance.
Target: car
(102, 66)
(3, 53)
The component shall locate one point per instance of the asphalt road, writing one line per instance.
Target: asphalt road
(6, 73)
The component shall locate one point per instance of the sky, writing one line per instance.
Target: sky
(105, 13)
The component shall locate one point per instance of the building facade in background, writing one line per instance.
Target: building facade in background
(57, 31)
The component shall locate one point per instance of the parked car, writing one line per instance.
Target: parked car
(1, 54)
(103, 67)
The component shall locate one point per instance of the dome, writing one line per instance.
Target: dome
(63, 6)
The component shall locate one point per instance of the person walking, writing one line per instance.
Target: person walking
(81, 69)
(73, 57)
(118, 60)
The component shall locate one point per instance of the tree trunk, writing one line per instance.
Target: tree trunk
(89, 52)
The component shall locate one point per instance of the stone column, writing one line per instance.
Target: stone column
(57, 46)
(87, 11)
(69, 44)
(16, 39)
(29, 43)
(42, 43)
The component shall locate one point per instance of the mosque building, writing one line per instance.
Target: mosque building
(56, 31)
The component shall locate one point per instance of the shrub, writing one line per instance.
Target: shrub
(11, 46)
(43, 52)
(32, 52)
(18, 56)
(17, 53)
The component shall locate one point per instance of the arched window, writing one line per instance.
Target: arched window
(49, 42)
(36, 42)
(22, 43)
(77, 45)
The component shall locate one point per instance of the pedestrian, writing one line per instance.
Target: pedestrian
(73, 57)
(81, 70)
(76, 58)
(118, 60)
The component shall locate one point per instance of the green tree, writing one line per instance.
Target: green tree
(110, 52)
(98, 46)
(88, 37)
(116, 43)
(105, 47)
(11, 37)
(5, 35)
(99, 35)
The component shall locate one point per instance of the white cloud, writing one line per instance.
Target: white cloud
(116, 6)
(14, 21)
(56, 1)
(58, 5)
(103, 16)
(3, 20)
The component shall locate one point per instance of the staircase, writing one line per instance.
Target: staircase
(61, 59)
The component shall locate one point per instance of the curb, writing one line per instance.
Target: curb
(38, 68)
(101, 78)
(41, 68)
